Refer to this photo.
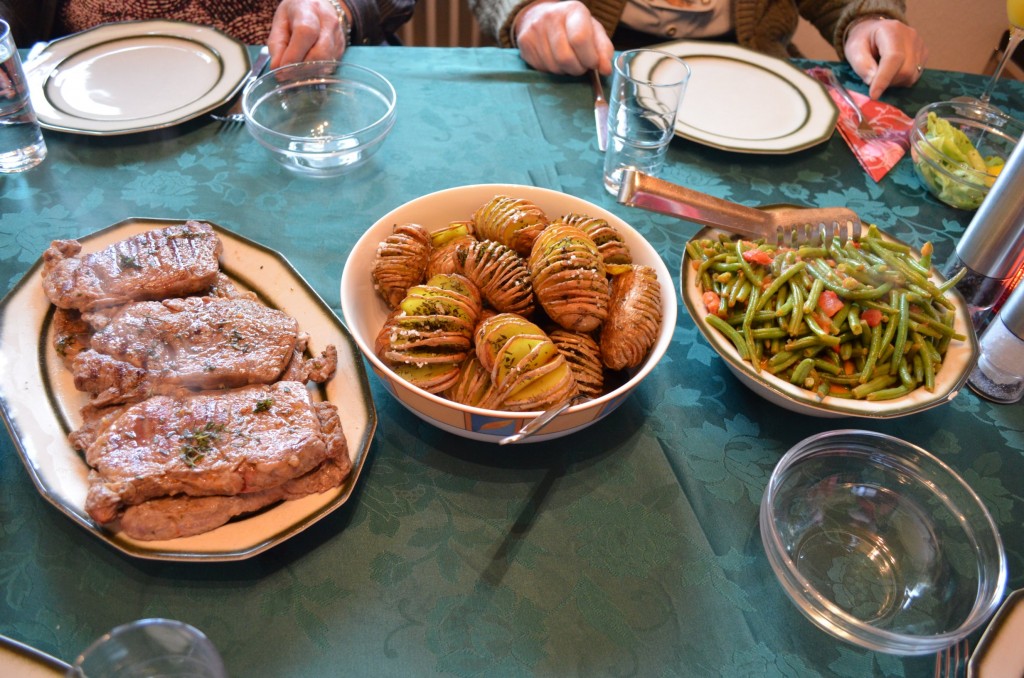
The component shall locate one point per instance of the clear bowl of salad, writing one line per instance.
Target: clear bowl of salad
(959, 148)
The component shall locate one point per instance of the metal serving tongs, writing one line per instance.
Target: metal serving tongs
(790, 226)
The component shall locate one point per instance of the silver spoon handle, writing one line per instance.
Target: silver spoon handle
(542, 420)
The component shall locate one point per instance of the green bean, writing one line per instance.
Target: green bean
(762, 333)
(926, 363)
(853, 318)
(823, 336)
(901, 333)
(918, 368)
(725, 328)
(809, 341)
(808, 252)
(888, 393)
(826, 366)
(801, 372)
(748, 322)
(817, 287)
(734, 290)
(952, 282)
(796, 321)
(784, 365)
(872, 357)
(873, 385)
(748, 270)
(780, 281)
(905, 375)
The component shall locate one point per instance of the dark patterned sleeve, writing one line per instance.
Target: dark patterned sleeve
(375, 22)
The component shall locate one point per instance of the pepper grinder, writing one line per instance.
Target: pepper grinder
(999, 374)
(992, 247)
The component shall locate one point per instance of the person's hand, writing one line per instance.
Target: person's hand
(305, 30)
(885, 52)
(562, 37)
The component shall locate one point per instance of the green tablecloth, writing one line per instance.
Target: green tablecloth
(631, 548)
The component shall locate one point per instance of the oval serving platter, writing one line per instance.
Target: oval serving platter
(40, 404)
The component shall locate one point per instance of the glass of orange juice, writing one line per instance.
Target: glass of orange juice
(1015, 13)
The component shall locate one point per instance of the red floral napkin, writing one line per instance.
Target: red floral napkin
(876, 156)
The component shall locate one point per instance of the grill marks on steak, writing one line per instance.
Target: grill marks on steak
(169, 262)
(198, 343)
(233, 442)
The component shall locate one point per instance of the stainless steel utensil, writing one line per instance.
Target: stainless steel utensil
(234, 114)
(865, 130)
(783, 226)
(952, 662)
(542, 420)
(600, 111)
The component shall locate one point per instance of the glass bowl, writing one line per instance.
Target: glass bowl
(881, 544)
(320, 118)
(954, 182)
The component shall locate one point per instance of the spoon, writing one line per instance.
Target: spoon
(542, 420)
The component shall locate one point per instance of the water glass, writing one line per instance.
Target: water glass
(150, 648)
(647, 88)
(21, 141)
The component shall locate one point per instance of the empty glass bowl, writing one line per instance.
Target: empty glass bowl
(881, 544)
(940, 161)
(320, 118)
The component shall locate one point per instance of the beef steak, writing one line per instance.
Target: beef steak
(168, 262)
(220, 443)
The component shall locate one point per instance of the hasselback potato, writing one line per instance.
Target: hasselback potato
(430, 334)
(444, 243)
(584, 357)
(400, 262)
(634, 320)
(609, 241)
(526, 368)
(569, 278)
(500, 274)
(514, 222)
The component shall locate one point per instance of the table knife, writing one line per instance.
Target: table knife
(600, 111)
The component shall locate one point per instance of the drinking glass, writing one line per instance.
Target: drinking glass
(1015, 13)
(150, 648)
(647, 88)
(21, 141)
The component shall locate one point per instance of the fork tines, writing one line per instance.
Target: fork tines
(952, 662)
(810, 233)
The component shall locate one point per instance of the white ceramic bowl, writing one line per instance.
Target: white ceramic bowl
(956, 364)
(365, 312)
(881, 544)
(320, 118)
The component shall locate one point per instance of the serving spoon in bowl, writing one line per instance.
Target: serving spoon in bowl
(543, 419)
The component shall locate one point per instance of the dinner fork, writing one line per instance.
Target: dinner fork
(789, 226)
(864, 128)
(234, 115)
(952, 661)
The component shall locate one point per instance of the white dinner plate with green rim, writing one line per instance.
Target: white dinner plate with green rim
(950, 378)
(134, 76)
(739, 100)
(40, 404)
